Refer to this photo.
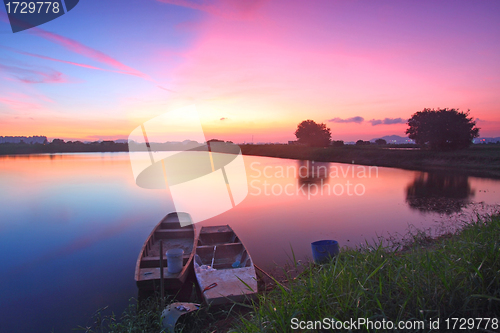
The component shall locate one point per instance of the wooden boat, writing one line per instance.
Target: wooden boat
(227, 274)
(170, 232)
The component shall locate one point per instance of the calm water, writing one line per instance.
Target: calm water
(72, 225)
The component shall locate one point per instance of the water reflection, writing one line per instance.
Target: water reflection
(439, 192)
(309, 172)
(72, 225)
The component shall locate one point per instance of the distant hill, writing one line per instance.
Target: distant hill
(401, 139)
(394, 139)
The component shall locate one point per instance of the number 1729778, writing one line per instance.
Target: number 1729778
(32, 7)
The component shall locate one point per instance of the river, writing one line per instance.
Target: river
(72, 225)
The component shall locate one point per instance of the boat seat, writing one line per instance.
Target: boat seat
(173, 233)
(154, 261)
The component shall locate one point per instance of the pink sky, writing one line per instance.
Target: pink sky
(256, 69)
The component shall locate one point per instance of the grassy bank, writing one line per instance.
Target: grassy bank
(478, 160)
(454, 276)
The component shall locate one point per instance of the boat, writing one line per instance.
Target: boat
(173, 236)
(223, 267)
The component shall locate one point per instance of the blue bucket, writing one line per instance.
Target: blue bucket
(324, 250)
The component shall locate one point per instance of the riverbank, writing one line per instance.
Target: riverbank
(478, 160)
(454, 276)
(425, 279)
(97, 147)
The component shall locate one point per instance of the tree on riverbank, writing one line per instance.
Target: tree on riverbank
(442, 129)
(313, 134)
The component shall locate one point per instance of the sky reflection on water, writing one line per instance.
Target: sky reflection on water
(72, 225)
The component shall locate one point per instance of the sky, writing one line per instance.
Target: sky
(254, 69)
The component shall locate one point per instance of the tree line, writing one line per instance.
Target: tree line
(441, 129)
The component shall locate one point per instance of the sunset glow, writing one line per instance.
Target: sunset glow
(254, 69)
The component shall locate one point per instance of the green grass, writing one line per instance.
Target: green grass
(456, 276)
(146, 318)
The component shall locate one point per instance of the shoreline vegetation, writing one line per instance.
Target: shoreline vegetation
(481, 160)
(477, 160)
(419, 279)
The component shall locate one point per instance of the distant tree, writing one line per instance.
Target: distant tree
(442, 129)
(312, 134)
(57, 142)
(338, 143)
(362, 143)
(380, 142)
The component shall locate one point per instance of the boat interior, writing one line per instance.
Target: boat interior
(173, 236)
(228, 249)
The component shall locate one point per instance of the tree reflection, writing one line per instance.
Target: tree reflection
(439, 192)
(310, 172)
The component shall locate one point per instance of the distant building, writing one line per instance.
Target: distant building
(486, 140)
(26, 139)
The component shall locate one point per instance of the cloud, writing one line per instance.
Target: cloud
(223, 118)
(374, 122)
(86, 51)
(230, 9)
(63, 61)
(34, 76)
(170, 90)
(19, 105)
(81, 49)
(387, 121)
(357, 120)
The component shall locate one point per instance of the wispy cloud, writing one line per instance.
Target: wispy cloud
(231, 9)
(28, 75)
(170, 90)
(374, 122)
(223, 118)
(63, 61)
(79, 48)
(387, 121)
(19, 105)
(357, 120)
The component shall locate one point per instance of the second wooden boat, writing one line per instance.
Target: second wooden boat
(173, 236)
(223, 267)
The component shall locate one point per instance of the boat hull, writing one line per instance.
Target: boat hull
(172, 235)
